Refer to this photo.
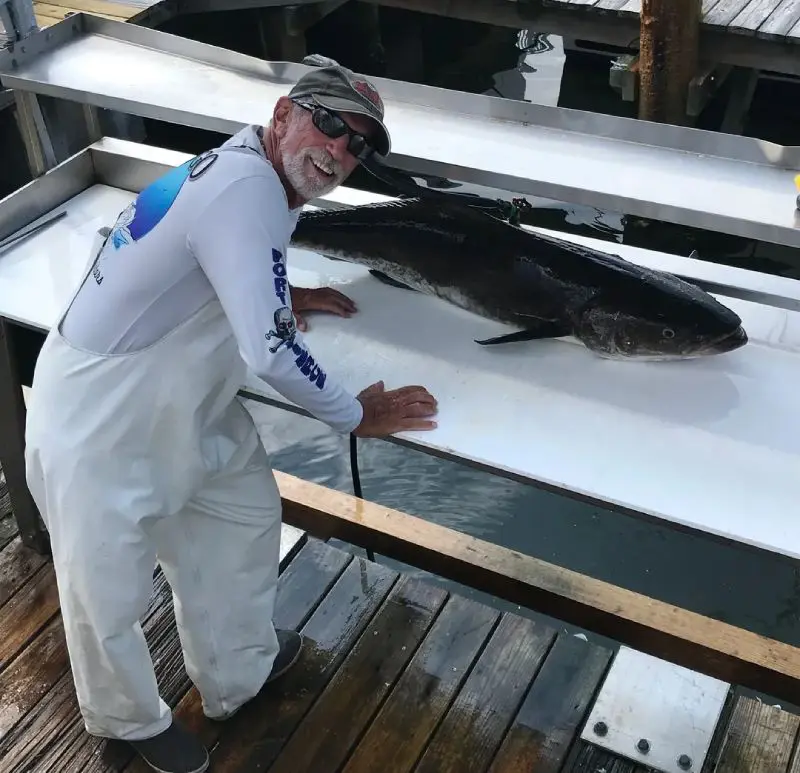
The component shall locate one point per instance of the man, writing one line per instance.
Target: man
(137, 448)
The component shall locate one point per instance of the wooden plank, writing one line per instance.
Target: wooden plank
(725, 11)
(784, 23)
(100, 7)
(553, 711)
(334, 723)
(666, 631)
(394, 741)
(62, 12)
(474, 726)
(92, 755)
(8, 526)
(759, 739)
(253, 738)
(610, 5)
(754, 15)
(17, 565)
(571, 3)
(32, 674)
(43, 22)
(593, 759)
(72, 748)
(55, 719)
(26, 612)
(630, 7)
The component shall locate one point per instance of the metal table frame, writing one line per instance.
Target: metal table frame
(130, 166)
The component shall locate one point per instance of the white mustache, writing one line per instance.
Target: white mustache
(326, 160)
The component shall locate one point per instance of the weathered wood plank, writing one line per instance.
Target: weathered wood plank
(553, 711)
(17, 564)
(32, 674)
(474, 727)
(334, 723)
(634, 7)
(592, 759)
(754, 15)
(725, 11)
(8, 526)
(52, 10)
(75, 750)
(26, 612)
(394, 740)
(783, 23)
(254, 737)
(101, 7)
(56, 718)
(663, 630)
(576, 3)
(759, 739)
(610, 5)
(300, 587)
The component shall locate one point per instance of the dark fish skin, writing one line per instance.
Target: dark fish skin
(545, 287)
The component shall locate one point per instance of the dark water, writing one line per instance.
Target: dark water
(736, 585)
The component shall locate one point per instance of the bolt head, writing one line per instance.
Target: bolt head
(600, 728)
(643, 746)
(685, 761)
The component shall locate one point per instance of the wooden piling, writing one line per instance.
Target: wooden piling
(668, 50)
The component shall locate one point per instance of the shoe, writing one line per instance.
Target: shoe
(290, 644)
(175, 750)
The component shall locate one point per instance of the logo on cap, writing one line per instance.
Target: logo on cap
(368, 91)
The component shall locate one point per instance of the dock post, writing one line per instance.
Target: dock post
(668, 58)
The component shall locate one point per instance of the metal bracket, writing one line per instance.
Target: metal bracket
(18, 19)
(33, 130)
(656, 713)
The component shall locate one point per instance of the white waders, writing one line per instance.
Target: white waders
(146, 457)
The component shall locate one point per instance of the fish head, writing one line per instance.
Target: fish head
(651, 321)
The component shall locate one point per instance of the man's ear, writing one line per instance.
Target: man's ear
(280, 116)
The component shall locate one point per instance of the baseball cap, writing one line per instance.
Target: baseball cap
(337, 88)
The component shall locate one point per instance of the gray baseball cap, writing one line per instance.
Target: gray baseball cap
(335, 87)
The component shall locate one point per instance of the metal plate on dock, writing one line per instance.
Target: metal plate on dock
(656, 713)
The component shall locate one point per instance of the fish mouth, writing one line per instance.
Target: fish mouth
(728, 343)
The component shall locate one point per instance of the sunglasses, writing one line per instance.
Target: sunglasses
(334, 126)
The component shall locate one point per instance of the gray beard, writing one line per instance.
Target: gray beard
(310, 187)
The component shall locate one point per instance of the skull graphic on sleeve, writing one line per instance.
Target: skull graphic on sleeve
(284, 330)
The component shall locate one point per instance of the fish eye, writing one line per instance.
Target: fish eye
(668, 332)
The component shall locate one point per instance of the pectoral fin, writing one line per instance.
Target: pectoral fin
(388, 280)
(544, 329)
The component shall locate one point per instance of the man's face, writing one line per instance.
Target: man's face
(313, 163)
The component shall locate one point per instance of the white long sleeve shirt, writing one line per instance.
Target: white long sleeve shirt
(217, 227)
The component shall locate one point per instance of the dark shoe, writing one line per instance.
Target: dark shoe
(175, 750)
(290, 644)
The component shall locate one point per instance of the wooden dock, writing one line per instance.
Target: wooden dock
(769, 19)
(142, 12)
(398, 675)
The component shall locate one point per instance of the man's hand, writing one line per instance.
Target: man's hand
(319, 299)
(398, 410)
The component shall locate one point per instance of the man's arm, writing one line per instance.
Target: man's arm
(234, 241)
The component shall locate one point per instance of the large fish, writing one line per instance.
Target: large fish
(545, 287)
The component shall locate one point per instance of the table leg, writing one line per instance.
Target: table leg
(12, 447)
